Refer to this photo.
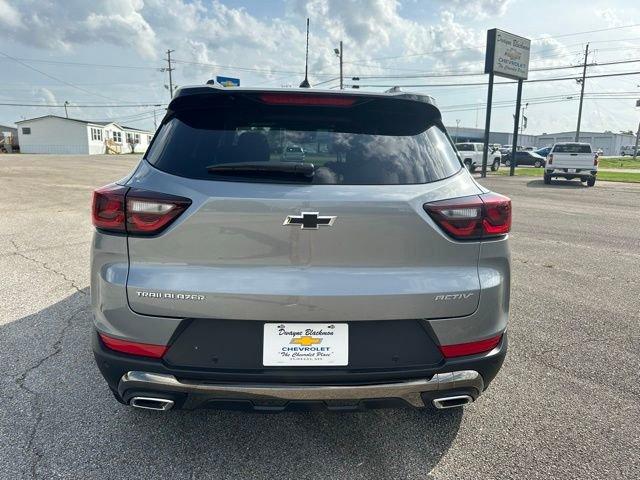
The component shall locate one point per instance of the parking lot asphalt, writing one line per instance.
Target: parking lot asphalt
(565, 405)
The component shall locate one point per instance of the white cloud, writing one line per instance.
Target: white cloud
(45, 95)
(9, 16)
(51, 25)
(480, 8)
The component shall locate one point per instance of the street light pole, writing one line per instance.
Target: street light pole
(341, 84)
(338, 52)
(66, 114)
(457, 128)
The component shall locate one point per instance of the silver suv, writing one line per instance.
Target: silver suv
(375, 272)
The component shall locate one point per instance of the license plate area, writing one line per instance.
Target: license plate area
(305, 344)
(571, 170)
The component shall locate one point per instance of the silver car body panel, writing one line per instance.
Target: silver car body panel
(383, 259)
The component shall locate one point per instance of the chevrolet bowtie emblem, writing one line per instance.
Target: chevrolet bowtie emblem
(306, 341)
(309, 220)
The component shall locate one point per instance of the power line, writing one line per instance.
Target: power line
(542, 99)
(85, 64)
(104, 105)
(476, 74)
(553, 79)
(54, 78)
(483, 45)
(248, 69)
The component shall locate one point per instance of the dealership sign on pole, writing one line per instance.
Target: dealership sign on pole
(507, 56)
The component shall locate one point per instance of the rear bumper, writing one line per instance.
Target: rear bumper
(198, 394)
(131, 377)
(564, 172)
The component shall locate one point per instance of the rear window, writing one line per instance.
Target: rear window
(572, 148)
(376, 144)
(464, 147)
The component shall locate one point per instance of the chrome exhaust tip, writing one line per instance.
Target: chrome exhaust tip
(452, 402)
(148, 403)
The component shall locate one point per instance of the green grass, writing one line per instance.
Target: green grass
(607, 176)
(620, 162)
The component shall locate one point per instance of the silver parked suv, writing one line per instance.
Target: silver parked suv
(373, 272)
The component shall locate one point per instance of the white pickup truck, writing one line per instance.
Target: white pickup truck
(471, 156)
(572, 160)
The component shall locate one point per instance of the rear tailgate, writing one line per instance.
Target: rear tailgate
(576, 156)
(383, 258)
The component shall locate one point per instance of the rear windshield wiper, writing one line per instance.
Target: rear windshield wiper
(266, 169)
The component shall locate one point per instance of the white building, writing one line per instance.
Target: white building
(54, 134)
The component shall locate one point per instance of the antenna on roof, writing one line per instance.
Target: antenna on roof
(305, 82)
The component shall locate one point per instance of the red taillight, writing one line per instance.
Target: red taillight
(471, 348)
(107, 212)
(136, 212)
(550, 158)
(133, 348)
(472, 218)
(307, 100)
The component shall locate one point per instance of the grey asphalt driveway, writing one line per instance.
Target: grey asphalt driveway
(565, 405)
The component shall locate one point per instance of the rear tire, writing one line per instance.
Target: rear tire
(507, 163)
(495, 165)
(547, 179)
(469, 165)
(537, 164)
(591, 181)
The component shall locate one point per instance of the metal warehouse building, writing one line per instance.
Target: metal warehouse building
(464, 134)
(60, 135)
(609, 142)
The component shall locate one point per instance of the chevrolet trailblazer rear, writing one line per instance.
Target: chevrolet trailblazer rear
(370, 271)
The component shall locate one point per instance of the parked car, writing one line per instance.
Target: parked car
(525, 157)
(543, 152)
(572, 160)
(293, 153)
(224, 277)
(471, 156)
(627, 150)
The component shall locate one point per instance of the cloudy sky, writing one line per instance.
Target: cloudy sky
(110, 52)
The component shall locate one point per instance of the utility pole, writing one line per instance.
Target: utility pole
(155, 123)
(522, 117)
(66, 114)
(170, 69)
(584, 75)
(457, 128)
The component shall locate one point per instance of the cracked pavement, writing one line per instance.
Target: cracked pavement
(565, 405)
